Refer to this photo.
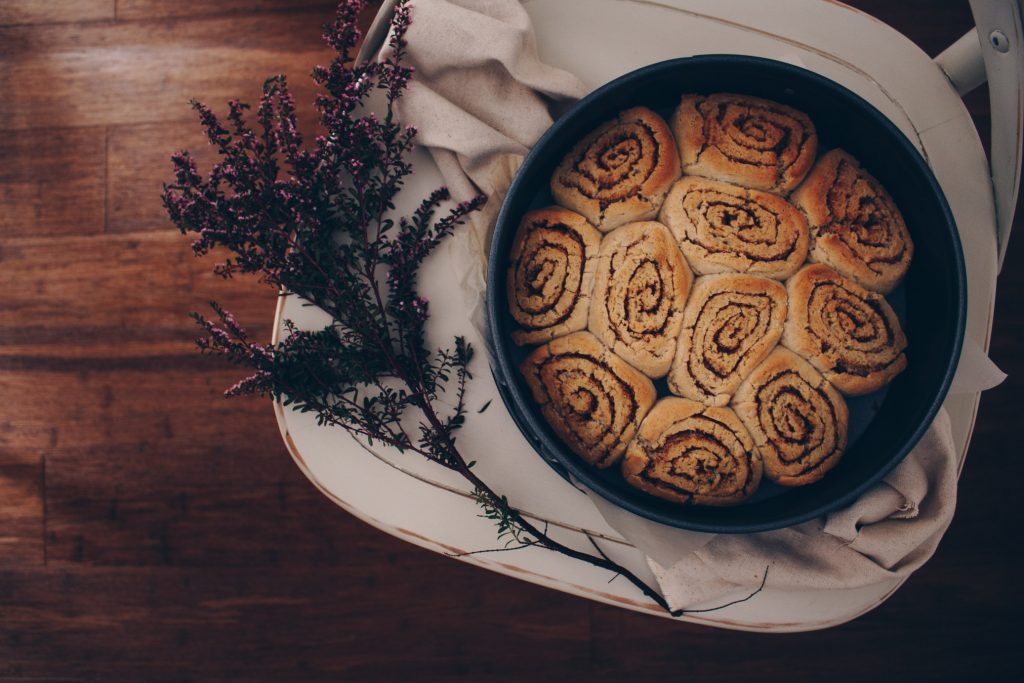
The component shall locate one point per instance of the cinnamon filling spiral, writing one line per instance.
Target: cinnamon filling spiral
(595, 405)
(641, 286)
(550, 274)
(745, 139)
(865, 219)
(591, 398)
(688, 452)
(857, 228)
(850, 334)
(723, 227)
(855, 327)
(798, 421)
(731, 324)
(760, 135)
(621, 171)
(616, 164)
(727, 328)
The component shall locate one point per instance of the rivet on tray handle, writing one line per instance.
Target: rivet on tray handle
(994, 50)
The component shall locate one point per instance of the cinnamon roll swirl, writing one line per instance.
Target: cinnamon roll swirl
(744, 140)
(855, 226)
(691, 453)
(725, 228)
(593, 399)
(729, 325)
(849, 334)
(640, 289)
(620, 172)
(798, 421)
(550, 274)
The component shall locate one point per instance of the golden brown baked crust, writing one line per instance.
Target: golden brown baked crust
(798, 420)
(744, 140)
(550, 274)
(691, 453)
(724, 228)
(730, 323)
(620, 172)
(856, 228)
(849, 334)
(593, 399)
(640, 288)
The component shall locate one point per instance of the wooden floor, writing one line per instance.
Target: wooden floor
(152, 531)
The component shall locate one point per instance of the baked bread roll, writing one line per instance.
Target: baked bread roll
(856, 228)
(730, 324)
(798, 421)
(744, 140)
(691, 453)
(550, 274)
(593, 399)
(724, 228)
(849, 334)
(621, 172)
(640, 288)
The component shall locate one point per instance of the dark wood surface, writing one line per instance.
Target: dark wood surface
(152, 531)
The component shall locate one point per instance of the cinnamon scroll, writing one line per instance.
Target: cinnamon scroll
(691, 453)
(848, 333)
(798, 421)
(593, 399)
(727, 228)
(621, 172)
(640, 288)
(744, 140)
(855, 225)
(550, 274)
(729, 325)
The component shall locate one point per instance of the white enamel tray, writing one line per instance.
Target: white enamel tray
(423, 504)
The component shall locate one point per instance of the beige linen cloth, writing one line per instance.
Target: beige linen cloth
(480, 98)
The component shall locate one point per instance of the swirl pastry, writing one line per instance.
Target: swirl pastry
(593, 399)
(640, 288)
(725, 228)
(729, 325)
(550, 274)
(692, 453)
(744, 140)
(620, 172)
(855, 225)
(798, 421)
(848, 333)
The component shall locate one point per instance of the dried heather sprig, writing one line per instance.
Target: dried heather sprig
(313, 222)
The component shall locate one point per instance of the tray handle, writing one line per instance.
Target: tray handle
(994, 51)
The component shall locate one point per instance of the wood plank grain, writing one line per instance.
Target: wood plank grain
(629, 647)
(21, 509)
(138, 72)
(153, 9)
(48, 11)
(376, 620)
(52, 181)
(162, 404)
(114, 297)
(175, 503)
(140, 162)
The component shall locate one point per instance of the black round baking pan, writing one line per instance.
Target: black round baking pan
(931, 301)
